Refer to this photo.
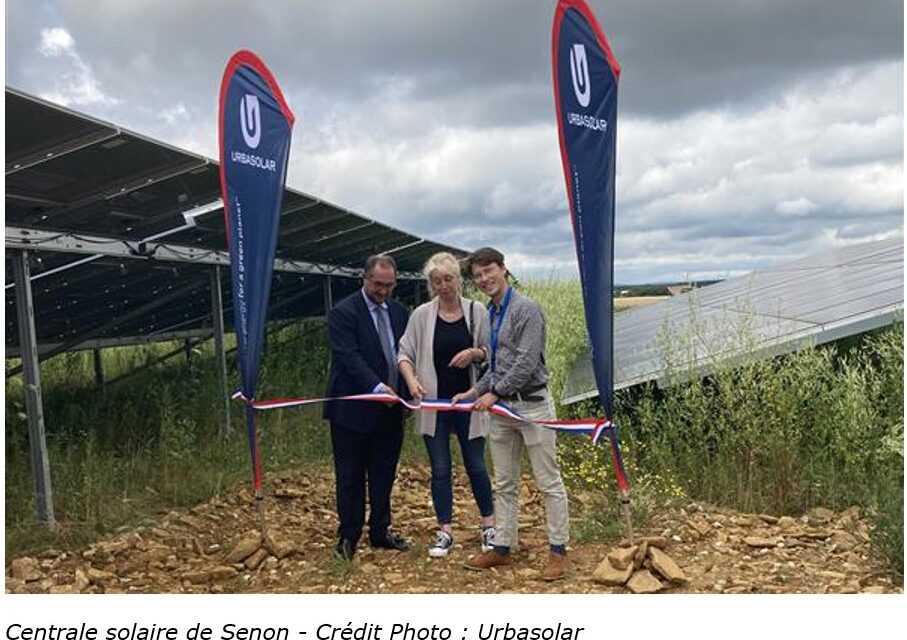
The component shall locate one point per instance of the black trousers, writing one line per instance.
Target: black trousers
(366, 459)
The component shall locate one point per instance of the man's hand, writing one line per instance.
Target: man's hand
(388, 390)
(484, 403)
(466, 395)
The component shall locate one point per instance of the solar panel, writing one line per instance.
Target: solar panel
(813, 300)
(95, 191)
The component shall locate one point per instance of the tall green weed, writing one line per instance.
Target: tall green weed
(123, 452)
(819, 426)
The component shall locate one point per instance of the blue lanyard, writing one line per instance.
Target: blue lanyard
(495, 330)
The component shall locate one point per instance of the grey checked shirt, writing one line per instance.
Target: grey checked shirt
(520, 359)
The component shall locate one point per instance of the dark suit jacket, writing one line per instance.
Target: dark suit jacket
(357, 362)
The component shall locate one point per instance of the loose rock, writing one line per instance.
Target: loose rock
(25, 569)
(607, 573)
(80, 580)
(644, 582)
(249, 544)
(96, 576)
(666, 566)
(222, 573)
(62, 588)
(817, 534)
(196, 577)
(759, 542)
(256, 559)
(279, 545)
(655, 541)
(820, 515)
(622, 557)
(184, 555)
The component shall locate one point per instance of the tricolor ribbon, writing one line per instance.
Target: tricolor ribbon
(595, 428)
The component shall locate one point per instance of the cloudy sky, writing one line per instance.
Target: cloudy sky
(749, 132)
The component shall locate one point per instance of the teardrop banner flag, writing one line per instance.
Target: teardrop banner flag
(254, 126)
(586, 73)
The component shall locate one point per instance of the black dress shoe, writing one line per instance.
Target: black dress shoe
(345, 549)
(390, 541)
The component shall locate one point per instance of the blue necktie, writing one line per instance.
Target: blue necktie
(386, 348)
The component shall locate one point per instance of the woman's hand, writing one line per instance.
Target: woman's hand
(464, 358)
(416, 390)
(409, 375)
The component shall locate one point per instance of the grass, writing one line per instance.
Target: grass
(123, 454)
(821, 426)
(341, 568)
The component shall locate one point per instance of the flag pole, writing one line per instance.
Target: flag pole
(252, 427)
(623, 486)
(586, 74)
(254, 121)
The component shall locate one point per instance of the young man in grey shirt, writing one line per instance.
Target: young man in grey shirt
(517, 376)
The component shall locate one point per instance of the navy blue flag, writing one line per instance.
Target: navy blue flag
(254, 125)
(585, 94)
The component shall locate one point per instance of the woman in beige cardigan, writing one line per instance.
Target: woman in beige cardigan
(443, 339)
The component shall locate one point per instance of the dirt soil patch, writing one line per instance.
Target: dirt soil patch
(200, 550)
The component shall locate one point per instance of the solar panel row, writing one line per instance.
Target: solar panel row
(73, 176)
(813, 300)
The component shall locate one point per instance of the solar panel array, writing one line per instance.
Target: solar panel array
(813, 300)
(80, 179)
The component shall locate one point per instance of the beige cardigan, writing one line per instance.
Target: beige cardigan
(417, 348)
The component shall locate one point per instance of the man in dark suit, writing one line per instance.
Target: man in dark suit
(364, 330)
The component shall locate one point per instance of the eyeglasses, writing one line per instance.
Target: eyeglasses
(382, 285)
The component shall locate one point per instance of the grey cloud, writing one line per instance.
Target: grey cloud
(751, 132)
(676, 56)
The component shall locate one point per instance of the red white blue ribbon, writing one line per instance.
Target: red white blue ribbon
(595, 428)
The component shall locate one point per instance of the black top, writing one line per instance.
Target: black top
(450, 339)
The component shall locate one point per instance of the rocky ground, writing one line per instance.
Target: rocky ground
(214, 548)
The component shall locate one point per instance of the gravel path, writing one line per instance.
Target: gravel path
(718, 550)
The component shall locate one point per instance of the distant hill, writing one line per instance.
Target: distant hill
(655, 289)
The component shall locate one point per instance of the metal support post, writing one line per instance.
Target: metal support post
(328, 296)
(28, 345)
(98, 368)
(220, 354)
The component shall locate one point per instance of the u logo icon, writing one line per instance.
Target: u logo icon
(579, 70)
(250, 120)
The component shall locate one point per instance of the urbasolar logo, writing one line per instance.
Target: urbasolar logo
(250, 120)
(582, 88)
(579, 70)
(250, 125)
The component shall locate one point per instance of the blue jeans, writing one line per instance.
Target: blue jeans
(473, 459)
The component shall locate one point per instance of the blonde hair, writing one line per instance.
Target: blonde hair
(446, 264)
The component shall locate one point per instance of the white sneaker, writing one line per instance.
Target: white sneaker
(442, 545)
(488, 538)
